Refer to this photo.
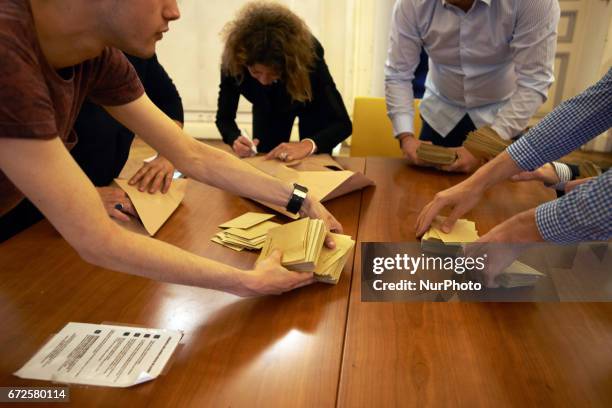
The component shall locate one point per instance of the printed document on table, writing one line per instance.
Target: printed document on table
(101, 354)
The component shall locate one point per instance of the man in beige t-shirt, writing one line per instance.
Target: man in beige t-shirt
(56, 53)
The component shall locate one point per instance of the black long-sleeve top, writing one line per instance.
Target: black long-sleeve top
(323, 119)
(103, 143)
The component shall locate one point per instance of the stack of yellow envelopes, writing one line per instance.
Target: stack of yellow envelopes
(436, 154)
(331, 261)
(437, 241)
(518, 274)
(300, 241)
(485, 143)
(245, 232)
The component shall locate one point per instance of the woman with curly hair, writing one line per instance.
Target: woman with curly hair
(272, 59)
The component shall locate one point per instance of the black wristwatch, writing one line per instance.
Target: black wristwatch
(297, 198)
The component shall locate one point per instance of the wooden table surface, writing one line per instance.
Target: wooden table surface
(466, 354)
(272, 351)
(318, 346)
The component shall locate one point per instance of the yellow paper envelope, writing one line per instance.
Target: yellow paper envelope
(155, 209)
(247, 220)
(463, 231)
(320, 179)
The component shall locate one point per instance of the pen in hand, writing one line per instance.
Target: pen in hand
(246, 135)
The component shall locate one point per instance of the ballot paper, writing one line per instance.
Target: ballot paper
(321, 174)
(436, 154)
(300, 241)
(437, 241)
(485, 143)
(154, 209)
(518, 274)
(248, 231)
(103, 355)
(331, 261)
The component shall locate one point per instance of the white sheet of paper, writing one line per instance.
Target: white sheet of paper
(103, 355)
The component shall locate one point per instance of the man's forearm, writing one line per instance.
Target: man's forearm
(499, 169)
(227, 172)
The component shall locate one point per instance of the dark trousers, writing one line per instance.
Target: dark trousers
(455, 138)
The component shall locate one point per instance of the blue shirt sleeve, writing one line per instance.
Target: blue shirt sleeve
(585, 214)
(569, 126)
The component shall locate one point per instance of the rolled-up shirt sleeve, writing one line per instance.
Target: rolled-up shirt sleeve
(569, 126)
(533, 47)
(585, 214)
(402, 59)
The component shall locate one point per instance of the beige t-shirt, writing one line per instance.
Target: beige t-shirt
(38, 102)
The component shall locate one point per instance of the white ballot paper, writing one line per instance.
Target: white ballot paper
(101, 354)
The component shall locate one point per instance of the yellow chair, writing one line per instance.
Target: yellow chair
(372, 131)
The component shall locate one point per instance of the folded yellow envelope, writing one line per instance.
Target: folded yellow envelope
(154, 209)
(247, 220)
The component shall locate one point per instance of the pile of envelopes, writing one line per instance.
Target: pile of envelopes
(300, 241)
(437, 241)
(518, 274)
(436, 154)
(245, 232)
(302, 245)
(485, 143)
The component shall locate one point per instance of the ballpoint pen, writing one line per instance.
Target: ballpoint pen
(246, 134)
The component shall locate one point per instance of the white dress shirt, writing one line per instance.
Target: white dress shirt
(494, 63)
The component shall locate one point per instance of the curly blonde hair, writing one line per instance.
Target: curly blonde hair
(270, 34)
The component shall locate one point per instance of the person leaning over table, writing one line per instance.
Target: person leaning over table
(490, 64)
(272, 59)
(584, 214)
(57, 53)
(103, 147)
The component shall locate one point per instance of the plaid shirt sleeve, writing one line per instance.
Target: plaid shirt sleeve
(585, 214)
(569, 126)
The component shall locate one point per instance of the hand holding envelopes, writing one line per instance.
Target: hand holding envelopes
(437, 241)
(300, 242)
(485, 143)
(331, 261)
(154, 209)
(245, 232)
(322, 175)
(436, 154)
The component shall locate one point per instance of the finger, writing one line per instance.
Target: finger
(244, 141)
(167, 182)
(139, 174)
(128, 207)
(273, 153)
(308, 279)
(256, 142)
(330, 242)
(429, 213)
(490, 280)
(114, 213)
(156, 184)
(146, 180)
(449, 222)
(276, 256)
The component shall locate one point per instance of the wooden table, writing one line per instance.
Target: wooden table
(466, 354)
(318, 346)
(273, 351)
